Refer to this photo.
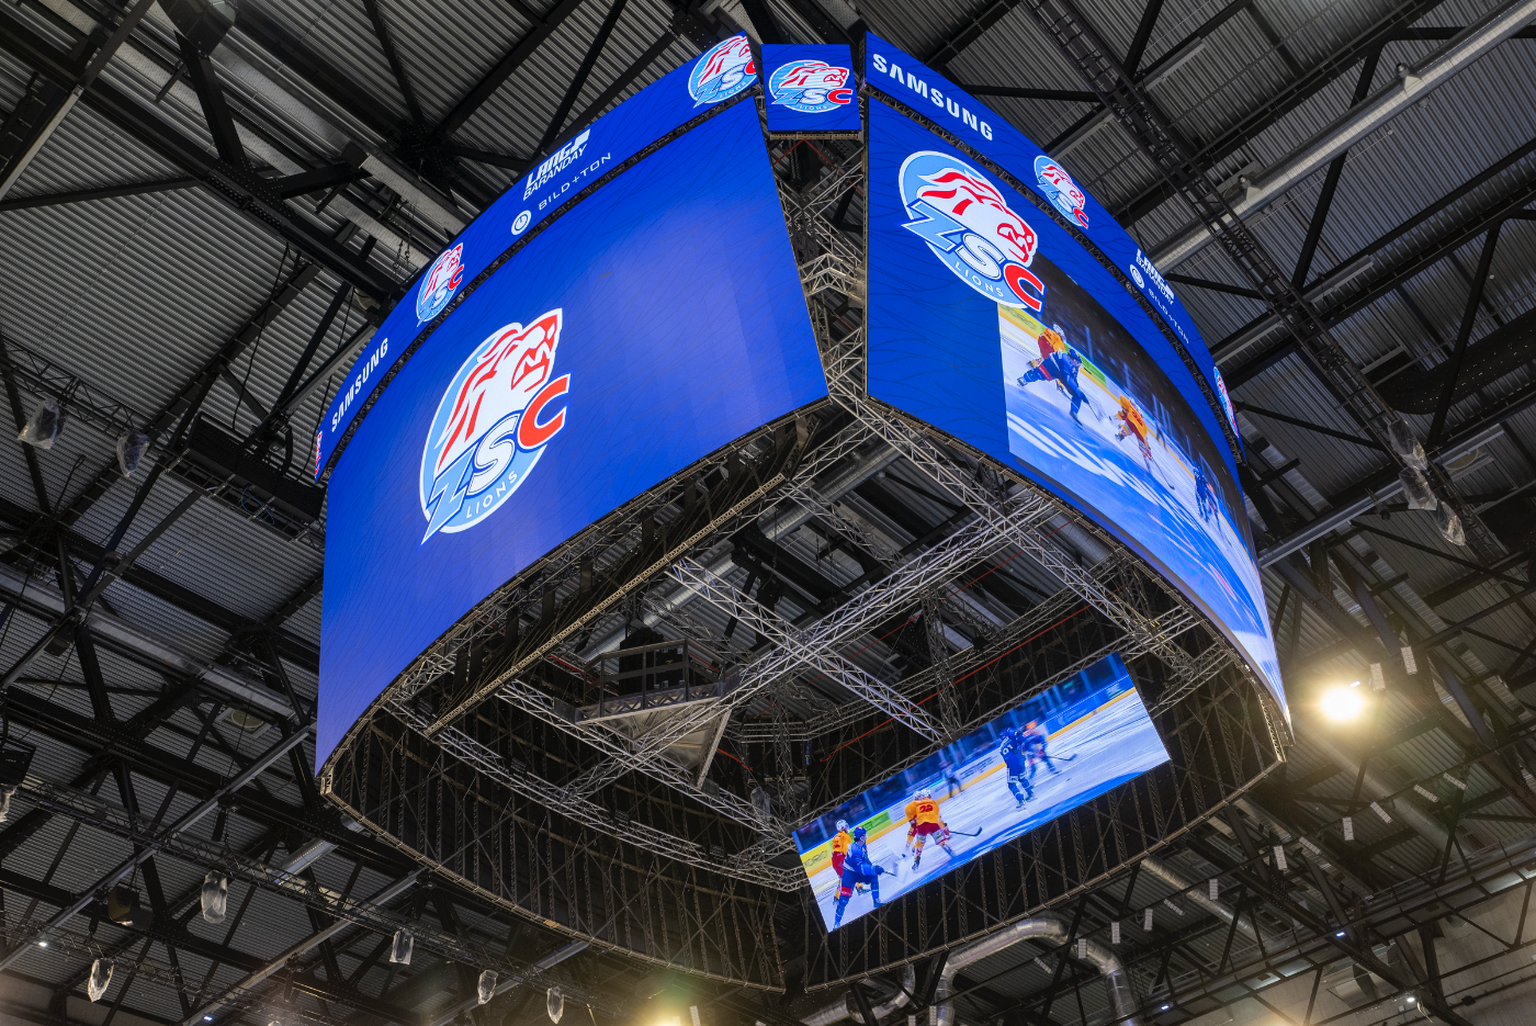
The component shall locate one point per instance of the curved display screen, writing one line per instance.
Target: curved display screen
(989, 320)
(653, 323)
(1026, 767)
(578, 163)
(932, 96)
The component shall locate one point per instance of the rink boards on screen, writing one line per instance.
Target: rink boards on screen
(1099, 735)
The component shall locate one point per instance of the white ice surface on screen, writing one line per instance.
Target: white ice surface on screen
(1095, 753)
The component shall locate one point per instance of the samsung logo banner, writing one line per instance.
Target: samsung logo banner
(654, 112)
(916, 88)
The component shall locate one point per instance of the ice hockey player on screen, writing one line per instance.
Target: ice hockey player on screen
(1060, 364)
(1034, 746)
(923, 812)
(1205, 498)
(1016, 762)
(1133, 423)
(841, 842)
(857, 869)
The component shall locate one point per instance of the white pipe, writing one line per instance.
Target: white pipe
(111, 629)
(844, 1007)
(1053, 931)
(1412, 85)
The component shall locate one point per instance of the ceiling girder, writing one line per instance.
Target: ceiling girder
(237, 186)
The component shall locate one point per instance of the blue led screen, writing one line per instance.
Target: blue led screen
(810, 88)
(1028, 766)
(988, 320)
(662, 107)
(906, 80)
(650, 325)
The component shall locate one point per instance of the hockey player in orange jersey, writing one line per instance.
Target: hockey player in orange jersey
(1133, 423)
(923, 814)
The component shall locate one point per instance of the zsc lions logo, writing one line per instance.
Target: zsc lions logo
(439, 284)
(722, 72)
(810, 87)
(1061, 189)
(967, 223)
(491, 426)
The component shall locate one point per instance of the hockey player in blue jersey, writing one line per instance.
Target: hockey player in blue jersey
(1016, 763)
(857, 869)
(1205, 500)
(1061, 366)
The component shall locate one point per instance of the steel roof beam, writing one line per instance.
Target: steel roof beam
(238, 188)
(509, 63)
(1411, 86)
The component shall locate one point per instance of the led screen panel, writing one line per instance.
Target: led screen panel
(810, 89)
(662, 107)
(989, 320)
(650, 325)
(1024, 768)
(935, 97)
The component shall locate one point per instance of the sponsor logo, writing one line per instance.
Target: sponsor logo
(810, 87)
(968, 225)
(555, 163)
(1061, 190)
(722, 72)
(439, 284)
(520, 223)
(492, 425)
(1153, 275)
(1141, 282)
(361, 371)
(920, 89)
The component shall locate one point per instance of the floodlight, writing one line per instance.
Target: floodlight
(1342, 704)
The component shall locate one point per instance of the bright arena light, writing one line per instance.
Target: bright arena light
(1342, 704)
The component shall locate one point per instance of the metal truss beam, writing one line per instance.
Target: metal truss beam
(239, 188)
(812, 655)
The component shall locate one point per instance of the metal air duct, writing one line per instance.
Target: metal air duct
(1053, 931)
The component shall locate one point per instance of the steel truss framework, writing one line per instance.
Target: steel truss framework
(476, 760)
(1171, 965)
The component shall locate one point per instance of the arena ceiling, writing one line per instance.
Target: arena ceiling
(216, 231)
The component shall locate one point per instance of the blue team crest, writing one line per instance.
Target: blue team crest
(439, 284)
(810, 86)
(1059, 187)
(967, 223)
(492, 425)
(722, 72)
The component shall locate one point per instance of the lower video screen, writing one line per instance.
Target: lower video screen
(1036, 761)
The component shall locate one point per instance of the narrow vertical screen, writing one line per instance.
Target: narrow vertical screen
(988, 320)
(652, 324)
(810, 89)
(1026, 767)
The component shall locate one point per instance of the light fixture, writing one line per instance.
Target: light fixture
(1339, 934)
(1342, 704)
(42, 944)
(1412, 1000)
(207, 1018)
(1165, 1008)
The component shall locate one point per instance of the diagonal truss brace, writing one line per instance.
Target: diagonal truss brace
(819, 657)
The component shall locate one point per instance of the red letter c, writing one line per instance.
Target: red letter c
(530, 433)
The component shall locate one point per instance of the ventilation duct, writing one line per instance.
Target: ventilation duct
(844, 1006)
(1052, 931)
